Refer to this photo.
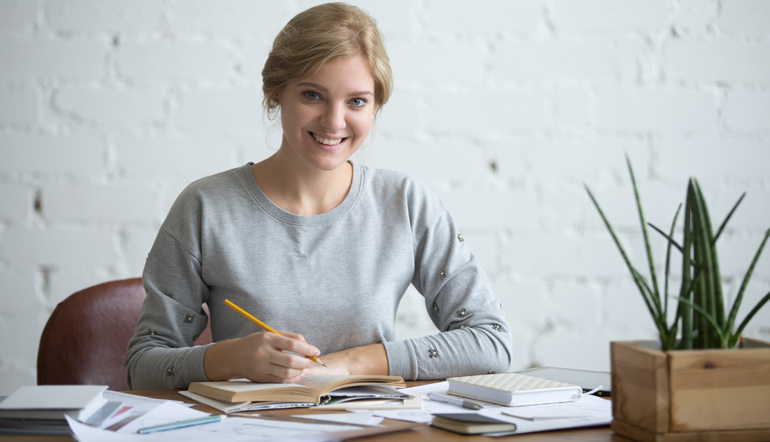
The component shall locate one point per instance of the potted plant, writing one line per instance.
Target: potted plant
(701, 380)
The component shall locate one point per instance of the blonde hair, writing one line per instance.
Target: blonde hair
(321, 34)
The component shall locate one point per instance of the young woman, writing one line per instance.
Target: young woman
(313, 243)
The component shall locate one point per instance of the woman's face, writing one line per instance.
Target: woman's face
(327, 116)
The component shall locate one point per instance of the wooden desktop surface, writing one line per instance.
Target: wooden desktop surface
(423, 433)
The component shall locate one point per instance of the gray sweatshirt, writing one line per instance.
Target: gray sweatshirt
(336, 278)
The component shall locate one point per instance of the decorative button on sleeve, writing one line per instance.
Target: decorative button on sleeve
(188, 319)
(170, 371)
(460, 237)
(463, 312)
(435, 307)
(497, 327)
(433, 353)
(443, 274)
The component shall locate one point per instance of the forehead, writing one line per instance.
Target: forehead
(349, 73)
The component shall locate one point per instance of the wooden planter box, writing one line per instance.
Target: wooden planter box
(695, 395)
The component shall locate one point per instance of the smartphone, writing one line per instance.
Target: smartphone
(586, 379)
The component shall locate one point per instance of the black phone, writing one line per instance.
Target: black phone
(586, 379)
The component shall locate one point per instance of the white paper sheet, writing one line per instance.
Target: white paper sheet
(135, 401)
(164, 413)
(588, 411)
(232, 429)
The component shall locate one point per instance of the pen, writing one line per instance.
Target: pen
(465, 403)
(183, 424)
(262, 325)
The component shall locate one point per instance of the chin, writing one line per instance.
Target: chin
(330, 166)
(330, 163)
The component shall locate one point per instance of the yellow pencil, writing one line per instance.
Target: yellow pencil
(264, 326)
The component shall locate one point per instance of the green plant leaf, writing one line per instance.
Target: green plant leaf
(657, 316)
(609, 228)
(739, 331)
(644, 289)
(669, 237)
(722, 336)
(668, 261)
(683, 308)
(709, 293)
(745, 283)
(688, 285)
(648, 249)
(727, 218)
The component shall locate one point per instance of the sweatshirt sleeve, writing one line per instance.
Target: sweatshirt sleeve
(161, 354)
(474, 337)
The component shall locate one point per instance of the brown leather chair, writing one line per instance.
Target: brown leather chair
(86, 338)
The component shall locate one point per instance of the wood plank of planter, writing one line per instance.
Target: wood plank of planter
(703, 381)
(639, 386)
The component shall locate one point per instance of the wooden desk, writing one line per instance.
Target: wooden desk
(421, 434)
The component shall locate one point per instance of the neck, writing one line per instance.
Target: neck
(302, 190)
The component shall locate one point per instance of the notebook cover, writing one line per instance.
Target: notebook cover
(513, 389)
(471, 418)
(471, 423)
(52, 397)
(511, 382)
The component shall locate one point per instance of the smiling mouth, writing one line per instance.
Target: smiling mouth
(327, 141)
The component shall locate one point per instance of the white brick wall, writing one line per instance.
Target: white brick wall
(40, 57)
(108, 108)
(83, 16)
(18, 106)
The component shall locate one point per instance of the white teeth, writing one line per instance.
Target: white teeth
(327, 141)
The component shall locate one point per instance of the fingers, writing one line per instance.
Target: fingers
(294, 343)
(279, 373)
(268, 357)
(296, 336)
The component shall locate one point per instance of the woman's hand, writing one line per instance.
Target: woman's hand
(260, 357)
(336, 364)
(369, 359)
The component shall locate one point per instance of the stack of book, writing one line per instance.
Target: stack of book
(529, 404)
(41, 409)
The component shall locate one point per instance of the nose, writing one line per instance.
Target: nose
(333, 117)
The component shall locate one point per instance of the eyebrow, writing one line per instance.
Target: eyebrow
(323, 89)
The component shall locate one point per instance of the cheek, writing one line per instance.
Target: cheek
(294, 119)
(362, 124)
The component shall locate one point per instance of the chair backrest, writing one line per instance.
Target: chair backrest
(86, 338)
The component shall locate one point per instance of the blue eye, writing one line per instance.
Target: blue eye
(358, 102)
(312, 95)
